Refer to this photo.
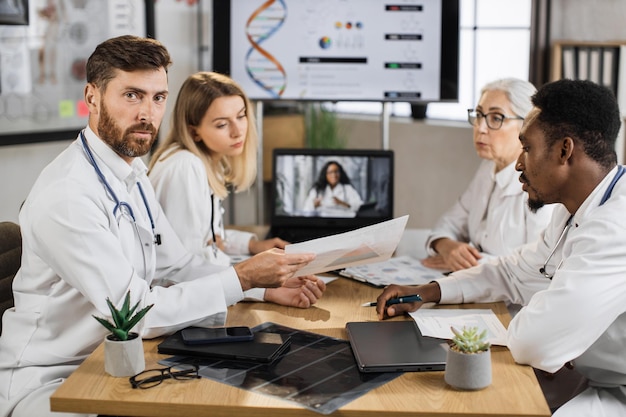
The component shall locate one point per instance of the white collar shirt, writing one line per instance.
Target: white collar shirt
(492, 214)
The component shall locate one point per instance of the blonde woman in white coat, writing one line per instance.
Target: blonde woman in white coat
(213, 143)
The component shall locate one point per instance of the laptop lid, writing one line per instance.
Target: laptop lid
(395, 346)
(299, 176)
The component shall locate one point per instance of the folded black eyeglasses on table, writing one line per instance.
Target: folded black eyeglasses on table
(153, 377)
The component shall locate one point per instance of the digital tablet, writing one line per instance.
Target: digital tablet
(265, 348)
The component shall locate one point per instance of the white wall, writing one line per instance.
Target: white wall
(19, 168)
(584, 20)
(434, 163)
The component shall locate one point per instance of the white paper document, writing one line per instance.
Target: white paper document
(368, 244)
(436, 322)
(401, 270)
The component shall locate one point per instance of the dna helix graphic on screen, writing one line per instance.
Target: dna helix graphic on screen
(262, 67)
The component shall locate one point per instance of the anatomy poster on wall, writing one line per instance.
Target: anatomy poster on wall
(42, 63)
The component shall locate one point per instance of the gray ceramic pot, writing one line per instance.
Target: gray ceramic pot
(468, 371)
(123, 358)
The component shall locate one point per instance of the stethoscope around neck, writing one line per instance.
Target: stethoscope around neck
(620, 171)
(120, 206)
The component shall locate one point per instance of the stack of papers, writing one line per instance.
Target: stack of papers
(368, 244)
(403, 270)
(436, 322)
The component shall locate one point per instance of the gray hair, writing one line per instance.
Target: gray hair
(518, 91)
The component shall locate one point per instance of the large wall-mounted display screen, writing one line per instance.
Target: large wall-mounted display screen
(331, 50)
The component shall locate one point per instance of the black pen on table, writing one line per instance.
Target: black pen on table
(406, 299)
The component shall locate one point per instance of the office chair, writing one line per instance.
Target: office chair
(560, 387)
(10, 260)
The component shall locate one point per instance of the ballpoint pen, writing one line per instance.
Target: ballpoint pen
(406, 299)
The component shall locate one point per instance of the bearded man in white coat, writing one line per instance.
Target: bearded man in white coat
(92, 229)
(572, 281)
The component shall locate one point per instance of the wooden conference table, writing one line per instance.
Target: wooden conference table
(514, 391)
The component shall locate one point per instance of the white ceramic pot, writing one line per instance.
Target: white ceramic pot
(124, 357)
(468, 371)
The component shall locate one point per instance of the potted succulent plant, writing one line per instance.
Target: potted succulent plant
(123, 349)
(468, 362)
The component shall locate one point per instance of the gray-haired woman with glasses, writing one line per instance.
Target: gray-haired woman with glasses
(491, 217)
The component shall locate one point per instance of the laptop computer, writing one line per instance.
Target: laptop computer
(295, 173)
(395, 346)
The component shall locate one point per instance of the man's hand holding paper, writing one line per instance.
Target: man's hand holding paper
(368, 244)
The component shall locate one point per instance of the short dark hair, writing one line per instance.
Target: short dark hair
(585, 111)
(126, 53)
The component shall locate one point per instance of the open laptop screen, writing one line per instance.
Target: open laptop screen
(318, 192)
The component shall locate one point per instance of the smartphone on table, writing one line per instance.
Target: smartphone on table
(202, 335)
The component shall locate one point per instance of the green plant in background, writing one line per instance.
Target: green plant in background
(123, 319)
(469, 340)
(322, 128)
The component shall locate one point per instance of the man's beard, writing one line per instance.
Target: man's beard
(124, 144)
(535, 204)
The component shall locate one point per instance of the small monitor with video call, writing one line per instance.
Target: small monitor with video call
(319, 192)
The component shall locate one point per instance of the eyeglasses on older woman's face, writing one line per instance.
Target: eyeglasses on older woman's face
(494, 119)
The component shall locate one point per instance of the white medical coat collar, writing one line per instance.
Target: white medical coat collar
(595, 197)
(128, 174)
(507, 179)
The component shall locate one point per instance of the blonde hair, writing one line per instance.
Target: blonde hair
(194, 99)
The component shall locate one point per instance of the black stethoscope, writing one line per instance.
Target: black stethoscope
(122, 207)
(214, 243)
(620, 171)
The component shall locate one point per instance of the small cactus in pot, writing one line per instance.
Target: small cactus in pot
(469, 340)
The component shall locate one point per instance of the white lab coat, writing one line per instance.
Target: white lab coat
(76, 253)
(509, 222)
(344, 192)
(181, 186)
(579, 315)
